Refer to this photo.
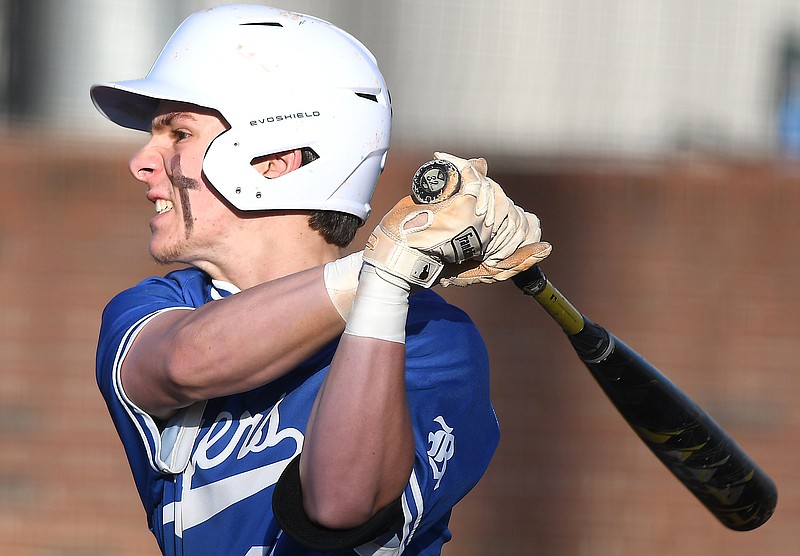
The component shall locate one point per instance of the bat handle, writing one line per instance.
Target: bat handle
(438, 180)
(533, 282)
(592, 343)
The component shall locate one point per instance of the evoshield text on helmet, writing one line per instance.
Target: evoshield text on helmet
(281, 81)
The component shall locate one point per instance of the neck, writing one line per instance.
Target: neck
(272, 248)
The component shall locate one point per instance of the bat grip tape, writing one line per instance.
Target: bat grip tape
(533, 282)
(592, 342)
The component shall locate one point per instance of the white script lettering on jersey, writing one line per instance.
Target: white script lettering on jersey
(442, 447)
(253, 433)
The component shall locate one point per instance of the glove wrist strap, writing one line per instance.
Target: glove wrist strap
(411, 265)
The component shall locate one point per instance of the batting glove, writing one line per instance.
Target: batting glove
(414, 240)
(514, 242)
(478, 223)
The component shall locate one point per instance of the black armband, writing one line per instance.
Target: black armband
(287, 506)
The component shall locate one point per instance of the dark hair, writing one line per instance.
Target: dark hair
(338, 228)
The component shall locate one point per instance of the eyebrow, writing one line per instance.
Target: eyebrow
(166, 120)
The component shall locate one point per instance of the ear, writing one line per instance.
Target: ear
(278, 164)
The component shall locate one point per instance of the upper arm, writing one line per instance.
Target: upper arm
(127, 343)
(147, 373)
(217, 348)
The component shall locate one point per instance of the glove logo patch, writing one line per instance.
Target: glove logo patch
(421, 271)
(466, 245)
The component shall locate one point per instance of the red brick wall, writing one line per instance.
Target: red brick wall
(692, 262)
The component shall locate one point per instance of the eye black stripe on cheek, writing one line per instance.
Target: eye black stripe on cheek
(183, 184)
(186, 208)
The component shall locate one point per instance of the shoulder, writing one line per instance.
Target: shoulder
(185, 283)
(187, 286)
(441, 335)
(182, 289)
(429, 305)
(430, 315)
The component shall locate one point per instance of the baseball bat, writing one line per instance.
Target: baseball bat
(684, 437)
(677, 430)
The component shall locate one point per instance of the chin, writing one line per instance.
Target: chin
(165, 254)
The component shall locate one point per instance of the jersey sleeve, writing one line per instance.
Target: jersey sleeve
(166, 448)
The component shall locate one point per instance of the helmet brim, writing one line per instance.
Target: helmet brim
(132, 104)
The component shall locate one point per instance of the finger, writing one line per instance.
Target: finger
(535, 227)
(471, 179)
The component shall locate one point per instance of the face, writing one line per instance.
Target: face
(189, 216)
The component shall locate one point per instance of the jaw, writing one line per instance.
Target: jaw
(167, 237)
(166, 252)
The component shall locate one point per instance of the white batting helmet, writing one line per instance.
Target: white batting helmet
(282, 81)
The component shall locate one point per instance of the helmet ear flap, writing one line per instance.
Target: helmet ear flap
(228, 167)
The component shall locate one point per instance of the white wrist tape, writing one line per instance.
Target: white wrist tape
(341, 281)
(380, 308)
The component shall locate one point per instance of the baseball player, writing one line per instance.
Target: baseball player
(275, 397)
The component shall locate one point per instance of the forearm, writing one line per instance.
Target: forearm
(359, 446)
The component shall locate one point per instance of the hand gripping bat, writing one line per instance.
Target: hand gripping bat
(702, 456)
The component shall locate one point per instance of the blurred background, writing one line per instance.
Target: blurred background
(658, 141)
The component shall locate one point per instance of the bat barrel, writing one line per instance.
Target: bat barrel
(683, 436)
(679, 433)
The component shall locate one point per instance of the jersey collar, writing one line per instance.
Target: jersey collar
(221, 288)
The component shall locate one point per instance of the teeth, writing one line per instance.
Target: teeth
(163, 206)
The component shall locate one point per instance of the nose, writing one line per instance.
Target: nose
(145, 163)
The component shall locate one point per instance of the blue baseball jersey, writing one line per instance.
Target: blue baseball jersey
(206, 477)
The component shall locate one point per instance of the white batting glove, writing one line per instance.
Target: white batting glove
(408, 249)
(480, 272)
(414, 240)
(478, 223)
(513, 244)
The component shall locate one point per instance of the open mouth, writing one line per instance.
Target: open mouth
(163, 206)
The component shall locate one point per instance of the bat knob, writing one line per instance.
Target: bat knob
(435, 181)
